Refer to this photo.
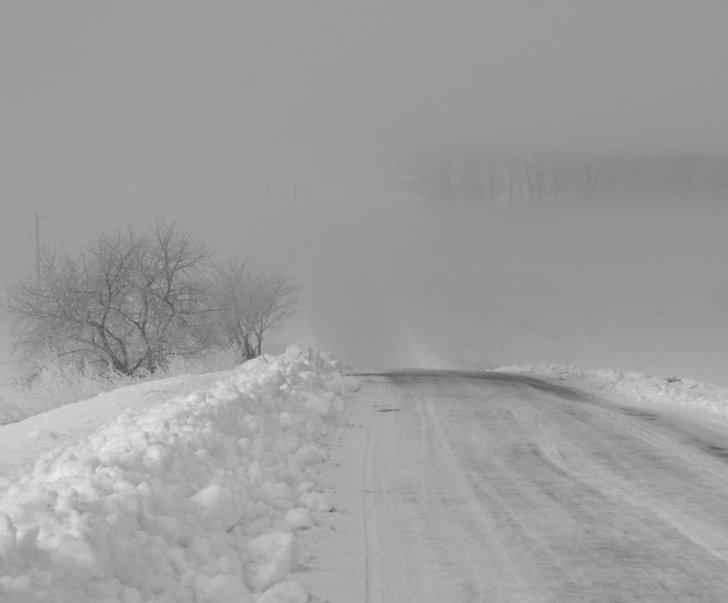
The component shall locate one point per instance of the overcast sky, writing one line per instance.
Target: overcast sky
(118, 111)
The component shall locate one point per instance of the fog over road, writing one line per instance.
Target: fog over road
(494, 487)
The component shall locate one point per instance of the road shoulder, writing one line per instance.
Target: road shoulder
(332, 553)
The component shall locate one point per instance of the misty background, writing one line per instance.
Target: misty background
(283, 131)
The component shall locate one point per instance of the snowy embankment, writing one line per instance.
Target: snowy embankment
(707, 401)
(196, 498)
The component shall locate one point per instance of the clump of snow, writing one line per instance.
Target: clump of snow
(709, 401)
(284, 592)
(193, 499)
(298, 518)
(316, 501)
(272, 558)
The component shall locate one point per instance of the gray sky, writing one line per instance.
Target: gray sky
(119, 111)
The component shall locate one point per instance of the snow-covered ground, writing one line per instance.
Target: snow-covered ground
(703, 401)
(184, 489)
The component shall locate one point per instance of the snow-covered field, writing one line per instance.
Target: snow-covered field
(185, 489)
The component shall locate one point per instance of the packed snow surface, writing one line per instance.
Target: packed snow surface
(708, 401)
(485, 486)
(193, 498)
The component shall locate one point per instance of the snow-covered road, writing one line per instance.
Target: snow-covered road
(499, 487)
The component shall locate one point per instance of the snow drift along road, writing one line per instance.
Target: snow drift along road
(192, 499)
(704, 401)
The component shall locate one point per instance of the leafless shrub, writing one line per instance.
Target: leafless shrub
(250, 303)
(129, 301)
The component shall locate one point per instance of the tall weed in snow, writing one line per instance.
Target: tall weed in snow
(57, 384)
(53, 386)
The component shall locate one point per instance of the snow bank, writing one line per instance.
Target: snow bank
(194, 499)
(709, 401)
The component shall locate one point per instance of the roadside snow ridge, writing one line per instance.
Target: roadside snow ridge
(706, 400)
(195, 499)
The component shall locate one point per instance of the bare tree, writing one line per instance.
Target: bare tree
(469, 176)
(432, 175)
(494, 177)
(251, 303)
(532, 177)
(232, 284)
(274, 299)
(591, 175)
(131, 300)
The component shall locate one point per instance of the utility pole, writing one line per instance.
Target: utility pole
(37, 248)
(303, 194)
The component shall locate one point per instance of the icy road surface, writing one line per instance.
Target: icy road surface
(497, 487)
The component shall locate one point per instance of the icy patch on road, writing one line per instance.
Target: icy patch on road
(193, 499)
(709, 401)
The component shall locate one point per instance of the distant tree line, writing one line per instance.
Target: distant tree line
(484, 177)
(133, 299)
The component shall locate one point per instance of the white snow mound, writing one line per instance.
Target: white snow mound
(193, 499)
